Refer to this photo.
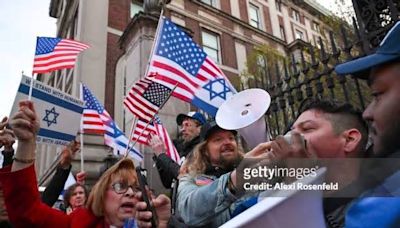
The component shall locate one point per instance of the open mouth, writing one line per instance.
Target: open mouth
(227, 152)
(128, 205)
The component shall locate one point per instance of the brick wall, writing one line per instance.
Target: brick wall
(267, 20)
(228, 50)
(118, 14)
(113, 54)
(226, 6)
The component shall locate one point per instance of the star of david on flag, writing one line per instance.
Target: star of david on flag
(51, 116)
(96, 120)
(178, 60)
(116, 139)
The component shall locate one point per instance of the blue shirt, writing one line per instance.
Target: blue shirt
(379, 207)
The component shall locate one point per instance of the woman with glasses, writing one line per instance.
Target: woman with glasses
(110, 204)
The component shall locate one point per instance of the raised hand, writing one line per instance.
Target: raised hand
(25, 123)
(162, 205)
(156, 144)
(80, 177)
(68, 153)
(7, 137)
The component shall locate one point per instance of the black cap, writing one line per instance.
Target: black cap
(210, 127)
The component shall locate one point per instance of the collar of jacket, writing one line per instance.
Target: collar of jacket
(216, 171)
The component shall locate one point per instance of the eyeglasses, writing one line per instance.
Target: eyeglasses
(121, 188)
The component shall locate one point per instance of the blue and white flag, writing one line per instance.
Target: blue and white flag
(116, 139)
(59, 113)
(179, 62)
(97, 120)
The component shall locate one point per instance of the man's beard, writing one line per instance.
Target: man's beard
(389, 140)
(230, 163)
(188, 139)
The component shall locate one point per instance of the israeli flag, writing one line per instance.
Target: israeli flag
(59, 113)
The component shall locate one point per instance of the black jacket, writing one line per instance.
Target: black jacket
(186, 148)
(167, 168)
(55, 186)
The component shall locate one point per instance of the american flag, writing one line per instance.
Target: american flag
(94, 114)
(142, 131)
(163, 134)
(146, 97)
(141, 134)
(178, 60)
(55, 54)
(96, 120)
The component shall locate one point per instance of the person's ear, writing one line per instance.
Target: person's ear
(352, 139)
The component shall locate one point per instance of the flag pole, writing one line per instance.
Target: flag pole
(81, 133)
(31, 88)
(155, 41)
(81, 139)
(146, 72)
(129, 140)
(33, 74)
(151, 120)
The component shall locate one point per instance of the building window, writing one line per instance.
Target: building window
(316, 42)
(211, 45)
(254, 13)
(261, 61)
(136, 7)
(283, 34)
(212, 3)
(296, 15)
(315, 27)
(278, 5)
(298, 34)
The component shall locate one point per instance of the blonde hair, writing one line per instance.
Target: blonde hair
(199, 161)
(124, 169)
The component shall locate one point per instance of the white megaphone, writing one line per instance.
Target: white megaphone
(244, 112)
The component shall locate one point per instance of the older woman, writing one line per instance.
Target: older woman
(75, 197)
(110, 203)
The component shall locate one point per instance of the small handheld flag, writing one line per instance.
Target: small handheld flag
(55, 53)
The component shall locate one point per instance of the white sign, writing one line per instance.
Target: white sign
(285, 208)
(59, 113)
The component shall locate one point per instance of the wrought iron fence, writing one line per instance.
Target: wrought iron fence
(310, 71)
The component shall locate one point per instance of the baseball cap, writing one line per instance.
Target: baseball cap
(192, 115)
(211, 127)
(388, 50)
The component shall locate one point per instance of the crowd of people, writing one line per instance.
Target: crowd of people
(205, 186)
